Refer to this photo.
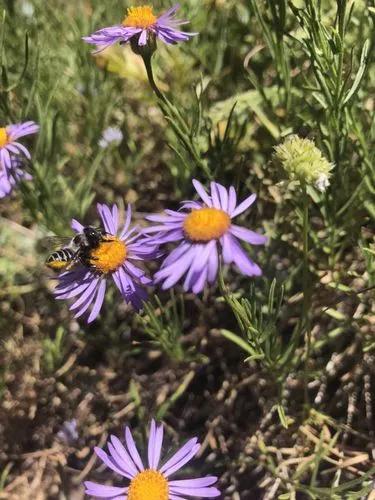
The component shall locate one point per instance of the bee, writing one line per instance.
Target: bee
(76, 250)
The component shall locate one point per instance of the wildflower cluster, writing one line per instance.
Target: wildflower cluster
(205, 234)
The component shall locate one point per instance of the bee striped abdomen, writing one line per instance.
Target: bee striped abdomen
(60, 259)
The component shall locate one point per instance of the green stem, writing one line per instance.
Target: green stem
(150, 76)
(175, 119)
(306, 291)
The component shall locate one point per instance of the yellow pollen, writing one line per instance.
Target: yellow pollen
(139, 17)
(205, 224)
(3, 137)
(148, 485)
(109, 255)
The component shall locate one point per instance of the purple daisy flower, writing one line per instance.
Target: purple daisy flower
(112, 258)
(153, 481)
(10, 177)
(205, 232)
(140, 24)
(9, 147)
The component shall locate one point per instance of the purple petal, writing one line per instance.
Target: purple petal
(115, 217)
(232, 200)
(142, 38)
(108, 461)
(22, 149)
(158, 445)
(127, 221)
(244, 205)
(98, 301)
(196, 277)
(242, 261)
(180, 454)
(174, 272)
(213, 265)
(154, 445)
(196, 492)
(215, 196)
(133, 449)
(198, 482)
(21, 129)
(202, 193)
(227, 248)
(223, 195)
(170, 12)
(107, 218)
(248, 235)
(176, 253)
(124, 457)
(177, 466)
(88, 293)
(103, 491)
(85, 306)
(5, 158)
(76, 226)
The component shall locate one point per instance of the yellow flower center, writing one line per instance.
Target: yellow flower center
(3, 137)
(109, 255)
(205, 224)
(148, 485)
(139, 17)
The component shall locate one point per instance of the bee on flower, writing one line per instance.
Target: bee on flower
(205, 233)
(98, 255)
(12, 153)
(141, 27)
(153, 480)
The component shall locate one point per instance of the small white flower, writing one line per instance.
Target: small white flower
(322, 182)
(111, 136)
(27, 9)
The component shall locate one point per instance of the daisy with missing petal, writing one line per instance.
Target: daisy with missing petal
(113, 258)
(9, 145)
(151, 482)
(139, 26)
(205, 233)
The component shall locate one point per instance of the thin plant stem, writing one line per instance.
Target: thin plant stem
(150, 76)
(175, 119)
(306, 292)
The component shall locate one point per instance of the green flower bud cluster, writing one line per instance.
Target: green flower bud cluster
(304, 162)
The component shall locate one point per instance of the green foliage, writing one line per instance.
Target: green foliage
(54, 351)
(258, 324)
(164, 324)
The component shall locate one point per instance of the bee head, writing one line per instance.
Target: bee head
(93, 235)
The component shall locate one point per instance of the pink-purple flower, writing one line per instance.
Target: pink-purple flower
(113, 258)
(139, 25)
(11, 153)
(205, 233)
(151, 481)
(10, 177)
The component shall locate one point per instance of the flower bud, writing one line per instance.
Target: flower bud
(144, 50)
(304, 162)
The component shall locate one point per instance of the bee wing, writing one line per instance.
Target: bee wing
(55, 242)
